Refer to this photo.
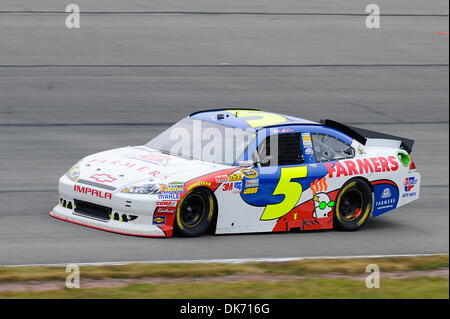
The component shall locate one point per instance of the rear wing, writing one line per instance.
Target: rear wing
(361, 134)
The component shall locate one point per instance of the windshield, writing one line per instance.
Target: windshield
(203, 140)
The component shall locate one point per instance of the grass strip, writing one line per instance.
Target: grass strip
(424, 288)
(307, 267)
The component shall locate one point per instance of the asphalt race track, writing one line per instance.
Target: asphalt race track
(67, 93)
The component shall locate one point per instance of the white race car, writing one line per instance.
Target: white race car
(241, 171)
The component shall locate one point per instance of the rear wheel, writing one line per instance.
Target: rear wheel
(353, 205)
(195, 213)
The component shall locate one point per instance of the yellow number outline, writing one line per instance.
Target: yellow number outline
(265, 118)
(292, 192)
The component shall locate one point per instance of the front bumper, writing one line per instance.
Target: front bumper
(137, 215)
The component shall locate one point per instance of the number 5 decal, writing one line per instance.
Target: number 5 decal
(291, 191)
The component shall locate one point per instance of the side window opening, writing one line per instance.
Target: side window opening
(281, 149)
(328, 148)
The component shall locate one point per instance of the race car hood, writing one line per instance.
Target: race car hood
(121, 167)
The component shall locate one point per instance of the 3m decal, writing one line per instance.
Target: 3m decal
(291, 190)
(103, 178)
(227, 187)
(236, 187)
(262, 118)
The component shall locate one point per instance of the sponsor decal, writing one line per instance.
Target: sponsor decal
(249, 172)
(319, 185)
(232, 186)
(404, 158)
(323, 205)
(235, 177)
(237, 187)
(92, 192)
(386, 197)
(386, 193)
(362, 166)
(166, 210)
(386, 203)
(173, 187)
(227, 187)
(167, 203)
(281, 130)
(221, 179)
(169, 196)
(309, 151)
(360, 150)
(252, 182)
(103, 178)
(409, 183)
(159, 220)
(306, 138)
(251, 190)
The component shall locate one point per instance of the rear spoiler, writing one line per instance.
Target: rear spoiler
(361, 134)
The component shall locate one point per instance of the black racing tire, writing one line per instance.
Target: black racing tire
(353, 205)
(195, 213)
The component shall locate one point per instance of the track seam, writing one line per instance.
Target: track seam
(224, 261)
(171, 123)
(225, 13)
(225, 65)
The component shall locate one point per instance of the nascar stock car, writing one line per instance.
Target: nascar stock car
(241, 171)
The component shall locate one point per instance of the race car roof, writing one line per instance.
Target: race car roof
(248, 118)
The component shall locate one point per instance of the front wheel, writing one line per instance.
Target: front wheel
(353, 205)
(195, 213)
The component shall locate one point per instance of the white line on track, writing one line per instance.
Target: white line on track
(221, 261)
